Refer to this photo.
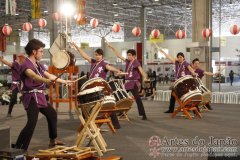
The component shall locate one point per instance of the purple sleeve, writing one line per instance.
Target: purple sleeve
(93, 61)
(186, 64)
(104, 65)
(137, 64)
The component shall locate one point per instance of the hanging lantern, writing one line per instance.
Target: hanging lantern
(42, 22)
(136, 31)
(27, 26)
(7, 30)
(78, 17)
(56, 16)
(180, 34)
(155, 33)
(81, 10)
(206, 32)
(94, 22)
(116, 27)
(234, 29)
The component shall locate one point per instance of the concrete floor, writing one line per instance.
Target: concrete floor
(132, 141)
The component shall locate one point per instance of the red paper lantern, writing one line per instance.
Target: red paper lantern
(56, 16)
(27, 26)
(155, 33)
(234, 29)
(78, 17)
(116, 27)
(206, 32)
(180, 34)
(136, 31)
(42, 22)
(7, 30)
(94, 22)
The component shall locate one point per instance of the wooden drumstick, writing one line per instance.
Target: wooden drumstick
(80, 78)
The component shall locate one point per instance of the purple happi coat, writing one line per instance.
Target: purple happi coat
(181, 69)
(133, 76)
(98, 69)
(32, 89)
(16, 80)
(200, 73)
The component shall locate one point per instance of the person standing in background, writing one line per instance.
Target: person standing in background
(231, 76)
(15, 84)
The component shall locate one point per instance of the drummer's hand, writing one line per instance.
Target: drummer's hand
(146, 79)
(194, 74)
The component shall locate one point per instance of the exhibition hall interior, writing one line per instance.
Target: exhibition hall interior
(119, 79)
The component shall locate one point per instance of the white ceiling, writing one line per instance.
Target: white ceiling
(166, 15)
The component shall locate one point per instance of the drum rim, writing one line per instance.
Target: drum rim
(122, 100)
(90, 80)
(190, 94)
(98, 89)
(181, 79)
(89, 103)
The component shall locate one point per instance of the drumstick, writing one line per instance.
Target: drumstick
(80, 78)
(59, 76)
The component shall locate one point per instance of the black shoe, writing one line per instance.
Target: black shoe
(209, 107)
(168, 111)
(144, 118)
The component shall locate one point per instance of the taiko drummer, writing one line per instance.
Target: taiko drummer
(182, 68)
(99, 68)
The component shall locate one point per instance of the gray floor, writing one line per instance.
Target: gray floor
(132, 141)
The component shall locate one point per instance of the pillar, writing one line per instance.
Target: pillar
(201, 18)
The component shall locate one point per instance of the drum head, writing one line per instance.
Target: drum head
(60, 59)
(124, 103)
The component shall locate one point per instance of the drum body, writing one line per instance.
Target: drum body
(123, 100)
(90, 96)
(206, 93)
(187, 88)
(108, 101)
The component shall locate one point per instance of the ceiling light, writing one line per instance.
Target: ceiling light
(45, 11)
(115, 4)
(149, 11)
(169, 24)
(188, 7)
(16, 14)
(116, 14)
(67, 9)
(156, 0)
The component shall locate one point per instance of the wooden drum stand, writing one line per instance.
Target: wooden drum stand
(72, 90)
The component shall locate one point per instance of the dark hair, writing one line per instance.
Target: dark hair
(99, 51)
(132, 51)
(33, 44)
(180, 54)
(196, 59)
